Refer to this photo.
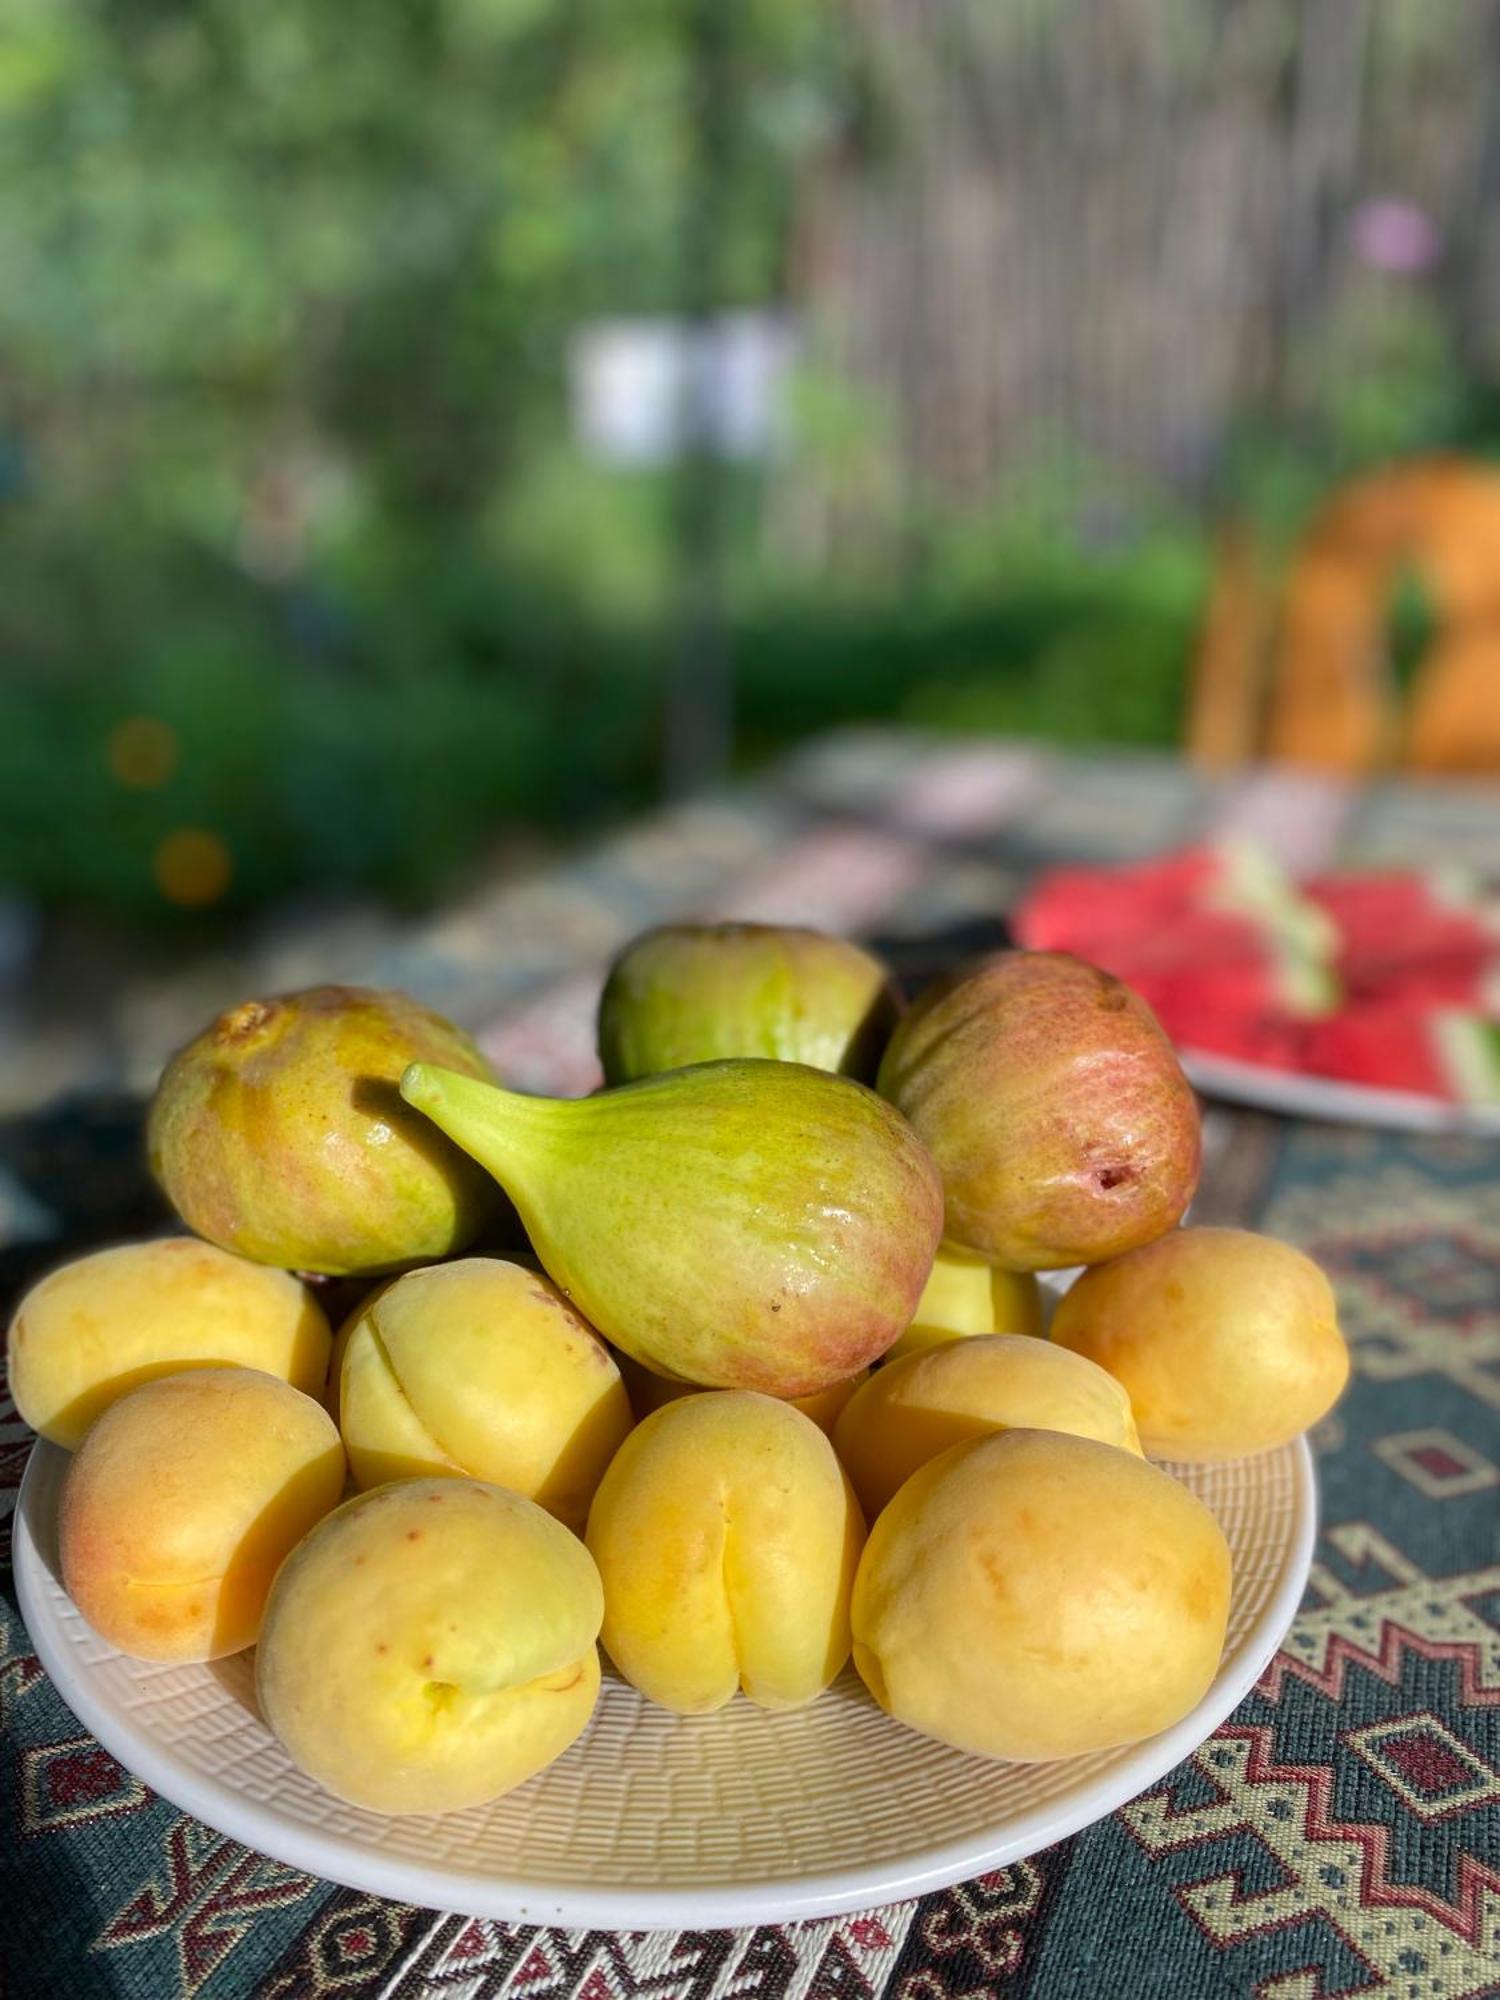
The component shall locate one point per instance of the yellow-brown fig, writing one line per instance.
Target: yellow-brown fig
(1033, 1596)
(1055, 1107)
(280, 1134)
(743, 1225)
(1226, 1341)
(690, 993)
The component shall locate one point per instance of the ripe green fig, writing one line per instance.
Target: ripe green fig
(280, 1134)
(690, 993)
(1055, 1107)
(741, 1224)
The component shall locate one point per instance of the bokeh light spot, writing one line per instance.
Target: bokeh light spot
(142, 752)
(192, 867)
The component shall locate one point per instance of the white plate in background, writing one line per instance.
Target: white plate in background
(1298, 1095)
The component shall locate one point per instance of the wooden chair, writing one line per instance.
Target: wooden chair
(1330, 698)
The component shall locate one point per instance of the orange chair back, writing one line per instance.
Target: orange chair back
(1332, 702)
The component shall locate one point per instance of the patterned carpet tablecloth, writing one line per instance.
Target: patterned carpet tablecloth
(1340, 1834)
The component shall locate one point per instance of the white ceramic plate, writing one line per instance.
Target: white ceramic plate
(651, 1820)
(1298, 1095)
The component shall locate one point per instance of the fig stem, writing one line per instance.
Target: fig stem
(498, 1127)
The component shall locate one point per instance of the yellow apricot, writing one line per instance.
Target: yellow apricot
(726, 1534)
(1033, 1595)
(181, 1503)
(430, 1646)
(481, 1368)
(912, 1409)
(103, 1324)
(1227, 1342)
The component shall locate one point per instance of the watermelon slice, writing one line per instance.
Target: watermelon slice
(1411, 938)
(1368, 904)
(1463, 978)
(1194, 995)
(1382, 1047)
(1440, 1053)
(1070, 905)
(1216, 941)
(1090, 910)
(1389, 978)
(1249, 1034)
(1471, 1052)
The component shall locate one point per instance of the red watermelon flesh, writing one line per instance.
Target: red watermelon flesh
(1235, 962)
(1262, 984)
(1199, 939)
(1071, 907)
(1198, 1021)
(1463, 979)
(1211, 939)
(1225, 901)
(1368, 904)
(1409, 936)
(1383, 1047)
(1251, 1008)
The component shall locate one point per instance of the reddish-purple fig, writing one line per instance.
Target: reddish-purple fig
(1055, 1107)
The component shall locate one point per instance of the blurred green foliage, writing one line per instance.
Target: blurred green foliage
(284, 300)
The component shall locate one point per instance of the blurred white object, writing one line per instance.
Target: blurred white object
(643, 390)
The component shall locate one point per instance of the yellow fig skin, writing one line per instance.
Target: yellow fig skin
(691, 993)
(1055, 1107)
(966, 1295)
(742, 1224)
(280, 1134)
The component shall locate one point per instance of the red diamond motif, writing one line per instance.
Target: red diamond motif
(67, 1783)
(1426, 1763)
(470, 1942)
(1441, 1464)
(82, 1778)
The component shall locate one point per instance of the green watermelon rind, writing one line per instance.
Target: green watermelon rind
(1253, 884)
(1470, 1051)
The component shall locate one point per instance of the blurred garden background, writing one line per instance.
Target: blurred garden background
(429, 433)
